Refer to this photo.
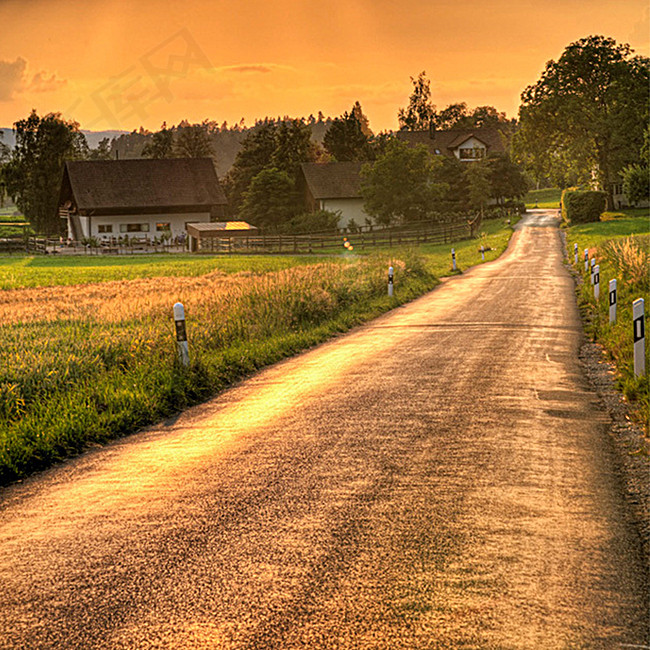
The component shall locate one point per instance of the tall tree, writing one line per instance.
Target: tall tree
(420, 113)
(254, 155)
(270, 200)
(161, 144)
(293, 145)
(588, 111)
(402, 184)
(479, 188)
(345, 139)
(506, 179)
(193, 141)
(33, 173)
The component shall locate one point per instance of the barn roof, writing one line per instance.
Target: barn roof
(336, 180)
(444, 142)
(142, 184)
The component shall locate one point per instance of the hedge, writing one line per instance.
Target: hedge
(582, 206)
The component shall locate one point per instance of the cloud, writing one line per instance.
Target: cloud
(11, 78)
(263, 68)
(40, 83)
(641, 33)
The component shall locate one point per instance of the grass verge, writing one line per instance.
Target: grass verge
(105, 364)
(621, 246)
(546, 198)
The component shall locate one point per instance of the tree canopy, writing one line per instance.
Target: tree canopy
(270, 201)
(347, 138)
(586, 114)
(402, 184)
(33, 174)
(420, 113)
(161, 144)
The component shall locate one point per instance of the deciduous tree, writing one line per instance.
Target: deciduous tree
(402, 184)
(270, 200)
(33, 173)
(587, 111)
(420, 112)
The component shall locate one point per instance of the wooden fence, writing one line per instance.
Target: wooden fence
(321, 243)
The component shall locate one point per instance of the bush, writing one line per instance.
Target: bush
(312, 222)
(582, 206)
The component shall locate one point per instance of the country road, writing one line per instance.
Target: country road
(439, 478)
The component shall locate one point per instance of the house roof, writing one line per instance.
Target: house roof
(336, 180)
(446, 141)
(143, 184)
(222, 226)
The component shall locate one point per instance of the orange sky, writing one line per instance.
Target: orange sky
(116, 64)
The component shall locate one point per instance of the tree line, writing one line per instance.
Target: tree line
(585, 121)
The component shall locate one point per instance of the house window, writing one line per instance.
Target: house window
(104, 228)
(164, 226)
(473, 153)
(134, 227)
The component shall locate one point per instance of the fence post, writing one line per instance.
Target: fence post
(612, 301)
(181, 334)
(638, 315)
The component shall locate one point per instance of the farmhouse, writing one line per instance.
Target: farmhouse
(467, 145)
(142, 198)
(336, 187)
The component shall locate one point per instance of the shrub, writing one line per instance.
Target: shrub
(582, 206)
(312, 222)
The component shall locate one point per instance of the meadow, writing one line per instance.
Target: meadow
(620, 243)
(84, 363)
(546, 198)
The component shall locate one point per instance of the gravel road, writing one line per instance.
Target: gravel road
(439, 478)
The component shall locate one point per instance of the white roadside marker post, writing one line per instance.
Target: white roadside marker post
(586, 259)
(453, 259)
(482, 253)
(593, 266)
(390, 280)
(181, 334)
(597, 281)
(575, 254)
(612, 301)
(638, 314)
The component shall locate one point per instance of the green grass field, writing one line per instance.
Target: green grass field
(620, 243)
(84, 364)
(547, 198)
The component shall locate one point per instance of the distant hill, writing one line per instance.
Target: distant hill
(92, 137)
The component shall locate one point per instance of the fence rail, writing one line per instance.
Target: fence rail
(288, 244)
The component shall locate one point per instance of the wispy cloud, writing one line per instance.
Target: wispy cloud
(12, 75)
(41, 83)
(263, 68)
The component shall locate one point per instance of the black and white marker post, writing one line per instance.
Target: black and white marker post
(638, 314)
(390, 280)
(181, 334)
(586, 259)
(482, 253)
(575, 254)
(593, 266)
(612, 301)
(453, 259)
(597, 281)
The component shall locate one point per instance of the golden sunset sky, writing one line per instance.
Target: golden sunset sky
(115, 64)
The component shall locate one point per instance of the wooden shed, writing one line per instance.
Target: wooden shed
(218, 236)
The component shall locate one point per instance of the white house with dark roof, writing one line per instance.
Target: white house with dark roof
(140, 198)
(336, 187)
(467, 145)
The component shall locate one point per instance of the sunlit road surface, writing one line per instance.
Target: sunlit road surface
(440, 478)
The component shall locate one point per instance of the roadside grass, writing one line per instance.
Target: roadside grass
(83, 364)
(546, 198)
(621, 247)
